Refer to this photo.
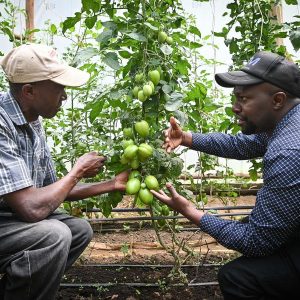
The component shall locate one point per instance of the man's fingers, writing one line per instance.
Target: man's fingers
(159, 196)
(171, 189)
(174, 124)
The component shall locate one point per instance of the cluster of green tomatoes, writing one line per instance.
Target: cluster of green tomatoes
(133, 155)
(143, 92)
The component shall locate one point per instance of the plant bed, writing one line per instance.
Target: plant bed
(119, 282)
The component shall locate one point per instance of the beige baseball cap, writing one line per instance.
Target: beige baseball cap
(35, 62)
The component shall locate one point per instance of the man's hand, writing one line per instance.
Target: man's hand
(175, 201)
(120, 181)
(173, 136)
(179, 203)
(88, 165)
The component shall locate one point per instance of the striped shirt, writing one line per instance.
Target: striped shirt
(25, 159)
(275, 219)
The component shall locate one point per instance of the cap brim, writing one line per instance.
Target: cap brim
(234, 78)
(71, 77)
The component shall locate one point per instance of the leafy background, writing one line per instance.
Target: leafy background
(114, 41)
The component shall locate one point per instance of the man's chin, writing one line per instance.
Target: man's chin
(248, 130)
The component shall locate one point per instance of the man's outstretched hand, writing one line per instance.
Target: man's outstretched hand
(179, 203)
(173, 136)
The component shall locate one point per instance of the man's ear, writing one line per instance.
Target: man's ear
(28, 90)
(279, 100)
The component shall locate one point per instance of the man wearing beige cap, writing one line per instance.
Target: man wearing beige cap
(38, 243)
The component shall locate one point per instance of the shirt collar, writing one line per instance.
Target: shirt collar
(286, 120)
(11, 106)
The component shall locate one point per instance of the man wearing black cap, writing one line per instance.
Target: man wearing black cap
(267, 92)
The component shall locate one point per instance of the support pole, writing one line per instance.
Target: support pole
(276, 13)
(30, 18)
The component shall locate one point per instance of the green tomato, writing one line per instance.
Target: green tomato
(124, 160)
(169, 40)
(133, 186)
(162, 36)
(127, 143)
(144, 151)
(135, 163)
(139, 77)
(146, 196)
(128, 132)
(152, 86)
(143, 185)
(135, 91)
(142, 128)
(151, 183)
(154, 76)
(131, 151)
(165, 210)
(135, 174)
(147, 90)
(141, 96)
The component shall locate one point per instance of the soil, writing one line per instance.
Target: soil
(127, 261)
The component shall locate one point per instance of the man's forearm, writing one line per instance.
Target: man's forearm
(85, 190)
(34, 204)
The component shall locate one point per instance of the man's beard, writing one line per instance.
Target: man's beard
(249, 128)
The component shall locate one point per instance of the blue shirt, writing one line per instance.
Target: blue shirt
(275, 219)
(25, 159)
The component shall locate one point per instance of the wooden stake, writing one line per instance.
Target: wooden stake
(276, 13)
(30, 18)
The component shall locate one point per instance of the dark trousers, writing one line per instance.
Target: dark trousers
(34, 256)
(272, 277)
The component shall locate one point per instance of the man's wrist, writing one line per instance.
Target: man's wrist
(186, 139)
(75, 177)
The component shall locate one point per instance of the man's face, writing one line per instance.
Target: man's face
(48, 98)
(254, 108)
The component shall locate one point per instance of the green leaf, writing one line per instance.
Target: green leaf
(88, 5)
(71, 22)
(104, 36)
(167, 88)
(210, 107)
(125, 54)
(195, 30)
(229, 111)
(199, 91)
(151, 26)
(137, 36)
(295, 39)
(111, 59)
(90, 21)
(96, 109)
(166, 49)
(291, 2)
(174, 102)
(194, 45)
(53, 29)
(182, 66)
(84, 55)
(110, 25)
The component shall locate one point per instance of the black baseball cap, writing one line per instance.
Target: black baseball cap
(265, 67)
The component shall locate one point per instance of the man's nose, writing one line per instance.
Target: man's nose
(64, 96)
(236, 108)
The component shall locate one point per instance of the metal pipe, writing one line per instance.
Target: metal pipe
(135, 284)
(99, 220)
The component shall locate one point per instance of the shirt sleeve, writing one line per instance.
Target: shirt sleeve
(238, 146)
(276, 216)
(50, 171)
(14, 173)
